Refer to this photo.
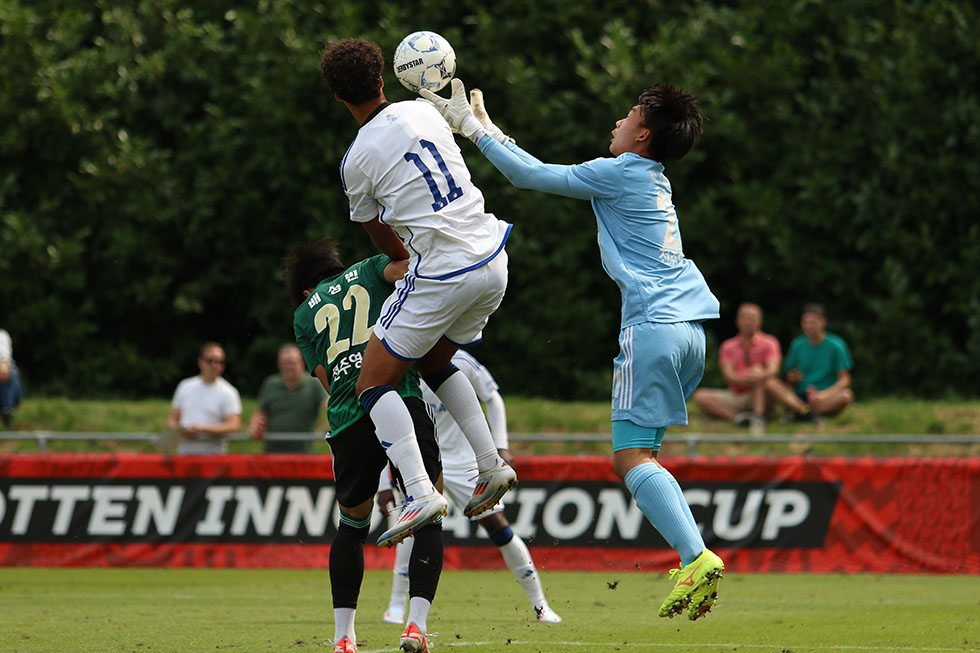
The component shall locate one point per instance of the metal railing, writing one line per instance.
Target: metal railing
(691, 440)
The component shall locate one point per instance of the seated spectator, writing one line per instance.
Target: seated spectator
(289, 402)
(749, 363)
(206, 408)
(818, 365)
(11, 390)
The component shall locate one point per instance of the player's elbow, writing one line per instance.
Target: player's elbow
(522, 178)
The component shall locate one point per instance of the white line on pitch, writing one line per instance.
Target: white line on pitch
(648, 645)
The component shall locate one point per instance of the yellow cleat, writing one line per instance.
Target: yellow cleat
(696, 588)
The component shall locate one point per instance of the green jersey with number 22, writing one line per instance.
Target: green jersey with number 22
(332, 328)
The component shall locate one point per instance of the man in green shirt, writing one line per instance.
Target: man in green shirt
(289, 402)
(818, 365)
(337, 308)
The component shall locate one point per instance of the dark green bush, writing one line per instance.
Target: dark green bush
(158, 158)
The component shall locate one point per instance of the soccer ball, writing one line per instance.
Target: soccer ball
(424, 60)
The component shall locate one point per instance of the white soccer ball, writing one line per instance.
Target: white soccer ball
(424, 60)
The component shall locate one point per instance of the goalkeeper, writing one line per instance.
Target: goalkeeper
(664, 299)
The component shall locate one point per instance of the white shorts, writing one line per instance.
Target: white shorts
(421, 311)
(457, 487)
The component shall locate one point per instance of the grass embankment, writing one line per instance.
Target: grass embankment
(878, 416)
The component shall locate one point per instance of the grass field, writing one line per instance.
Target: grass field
(183, 610)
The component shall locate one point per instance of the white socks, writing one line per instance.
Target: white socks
(343, 619)
(519, 560)
(393, 428)
(418, 612)
(399, 581)
(457, 395)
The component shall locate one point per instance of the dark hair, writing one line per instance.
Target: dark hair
(814, 307)
(352, 69)
(674, 121)
(309, 264)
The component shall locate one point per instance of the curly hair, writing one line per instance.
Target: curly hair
(352, 69)
(674, 121)
(309, 264)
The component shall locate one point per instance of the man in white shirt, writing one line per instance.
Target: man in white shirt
(206, 407)
(407, 183)
(11, 390)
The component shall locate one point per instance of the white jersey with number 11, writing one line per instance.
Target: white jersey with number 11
(404, 166)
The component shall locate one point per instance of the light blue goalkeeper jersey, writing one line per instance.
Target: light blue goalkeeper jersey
(639, 237)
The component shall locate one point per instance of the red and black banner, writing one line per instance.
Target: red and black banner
(904, 515)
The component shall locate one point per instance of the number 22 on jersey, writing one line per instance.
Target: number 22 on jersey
(328, 317)
(440, 201)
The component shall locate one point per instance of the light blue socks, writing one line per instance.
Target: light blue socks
(659, 497)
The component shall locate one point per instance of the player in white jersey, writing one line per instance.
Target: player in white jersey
(458, 481)
(408, 185)
(664, 300)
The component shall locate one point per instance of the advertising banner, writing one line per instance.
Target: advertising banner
(896, 515)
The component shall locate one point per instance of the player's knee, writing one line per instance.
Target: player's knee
(370, 396)
(358, 512)
(356, 527)
(436, 379)
(503, 536)
(494, 524)
(621, 468)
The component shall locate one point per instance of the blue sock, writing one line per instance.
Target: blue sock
(650, 485)
(685, 506)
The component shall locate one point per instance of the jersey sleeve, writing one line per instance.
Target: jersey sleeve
(478, 375)
(775, 352)
(305, 346)
(233, 401)
(6, 348)
(598, 178)
(792, 356)
(262, 401)
(487, 391)
(843, 358)
(359, 190)
(378, 264)
(727, 353)
(179, 393)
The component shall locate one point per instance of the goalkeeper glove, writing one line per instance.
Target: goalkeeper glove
(480, 111)
(456, 111)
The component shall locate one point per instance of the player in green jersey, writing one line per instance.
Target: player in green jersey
(336, 310)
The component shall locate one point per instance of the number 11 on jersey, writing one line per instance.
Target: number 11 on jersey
(440, 201)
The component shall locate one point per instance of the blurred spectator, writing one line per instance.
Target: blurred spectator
(818, 365)
(11, 390)
(749, 363)
(205, 408)
(289, 402)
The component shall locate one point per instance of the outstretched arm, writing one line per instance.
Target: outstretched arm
(470, 119)
(525, 171)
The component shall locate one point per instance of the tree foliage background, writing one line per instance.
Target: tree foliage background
(158, 158)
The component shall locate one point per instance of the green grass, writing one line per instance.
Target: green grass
(876, 416)
(275, 610)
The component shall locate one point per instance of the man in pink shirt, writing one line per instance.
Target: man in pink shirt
(749, 364)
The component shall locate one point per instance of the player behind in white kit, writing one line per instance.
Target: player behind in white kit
(407, 184)
(458, 481)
